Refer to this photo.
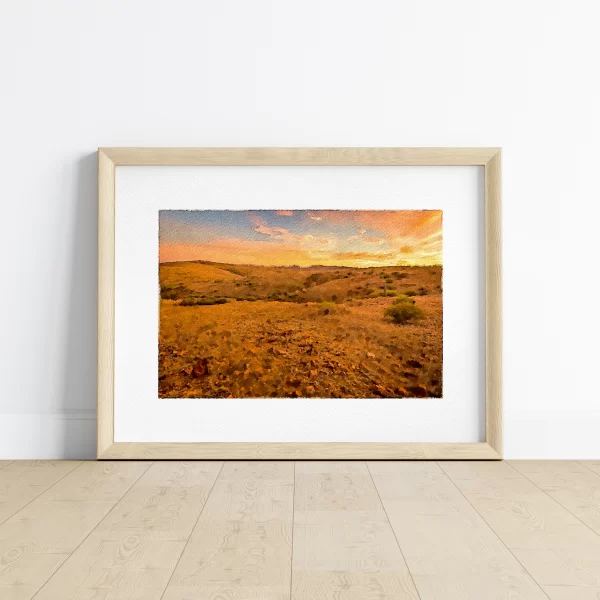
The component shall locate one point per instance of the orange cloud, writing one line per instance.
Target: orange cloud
(395, 238)
(363, 256)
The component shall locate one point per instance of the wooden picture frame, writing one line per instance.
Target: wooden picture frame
(110, 158)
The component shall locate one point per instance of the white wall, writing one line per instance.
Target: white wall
(519, 74)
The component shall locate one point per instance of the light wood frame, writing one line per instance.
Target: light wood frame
(110, 158)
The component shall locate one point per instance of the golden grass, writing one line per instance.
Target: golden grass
(298, 347)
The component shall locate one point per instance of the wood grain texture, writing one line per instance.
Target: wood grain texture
(133, 551)
(176, 531)
(344, 546)
(592, 465)
(38, 539)
(109, 158)
(493, 303)
(302, 451)
(299, 156)
(555, 547)
(569, 592)
(242, 543)
(571, 484)
(23, 481)
(164, 504)
(106, 302)
(450, 551)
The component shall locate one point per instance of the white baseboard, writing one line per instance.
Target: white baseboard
(556, 435)
(72, 434)
(68, 434)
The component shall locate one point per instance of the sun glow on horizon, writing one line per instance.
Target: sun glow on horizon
(302, 238)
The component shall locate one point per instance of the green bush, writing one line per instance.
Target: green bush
(173, 292)
(207, 301)
(169, 295)
(403, 312)
(403, 298)
(327, 308)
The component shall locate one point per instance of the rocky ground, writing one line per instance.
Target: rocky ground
(297, 347)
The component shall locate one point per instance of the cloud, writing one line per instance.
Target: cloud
(284, 213)
(363, 256)
(394, 238)
(260, 226)
(279, 234)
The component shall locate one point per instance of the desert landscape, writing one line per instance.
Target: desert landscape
(230, 330)
(252, 331)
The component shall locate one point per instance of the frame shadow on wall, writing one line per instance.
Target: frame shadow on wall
(77, 428)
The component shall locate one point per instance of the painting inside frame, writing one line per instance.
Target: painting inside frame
(300, 304)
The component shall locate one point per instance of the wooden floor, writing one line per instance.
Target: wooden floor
(305, 530)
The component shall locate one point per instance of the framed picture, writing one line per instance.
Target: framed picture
(299, 303)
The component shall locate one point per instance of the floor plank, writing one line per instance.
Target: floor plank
(555, 547)
(344, 546)
(571, 484)
(165, 503)
(240, 547)
(593, 465)
(450, 551)
(318, 530)
(569, 592)
(38, 539)
(23, 481)
(132, 553)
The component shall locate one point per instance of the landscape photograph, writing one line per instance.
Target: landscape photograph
(300, 304)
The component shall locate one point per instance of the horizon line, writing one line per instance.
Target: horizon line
(212, 262)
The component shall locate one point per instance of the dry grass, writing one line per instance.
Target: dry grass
(341, 346)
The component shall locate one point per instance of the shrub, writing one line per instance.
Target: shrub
(403, 312)
(423, 291)
(403, 298)
(410, 293)
(173, 292)
(327, 308)
(208, 301)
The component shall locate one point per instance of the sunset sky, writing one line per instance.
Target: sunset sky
(360, 238)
